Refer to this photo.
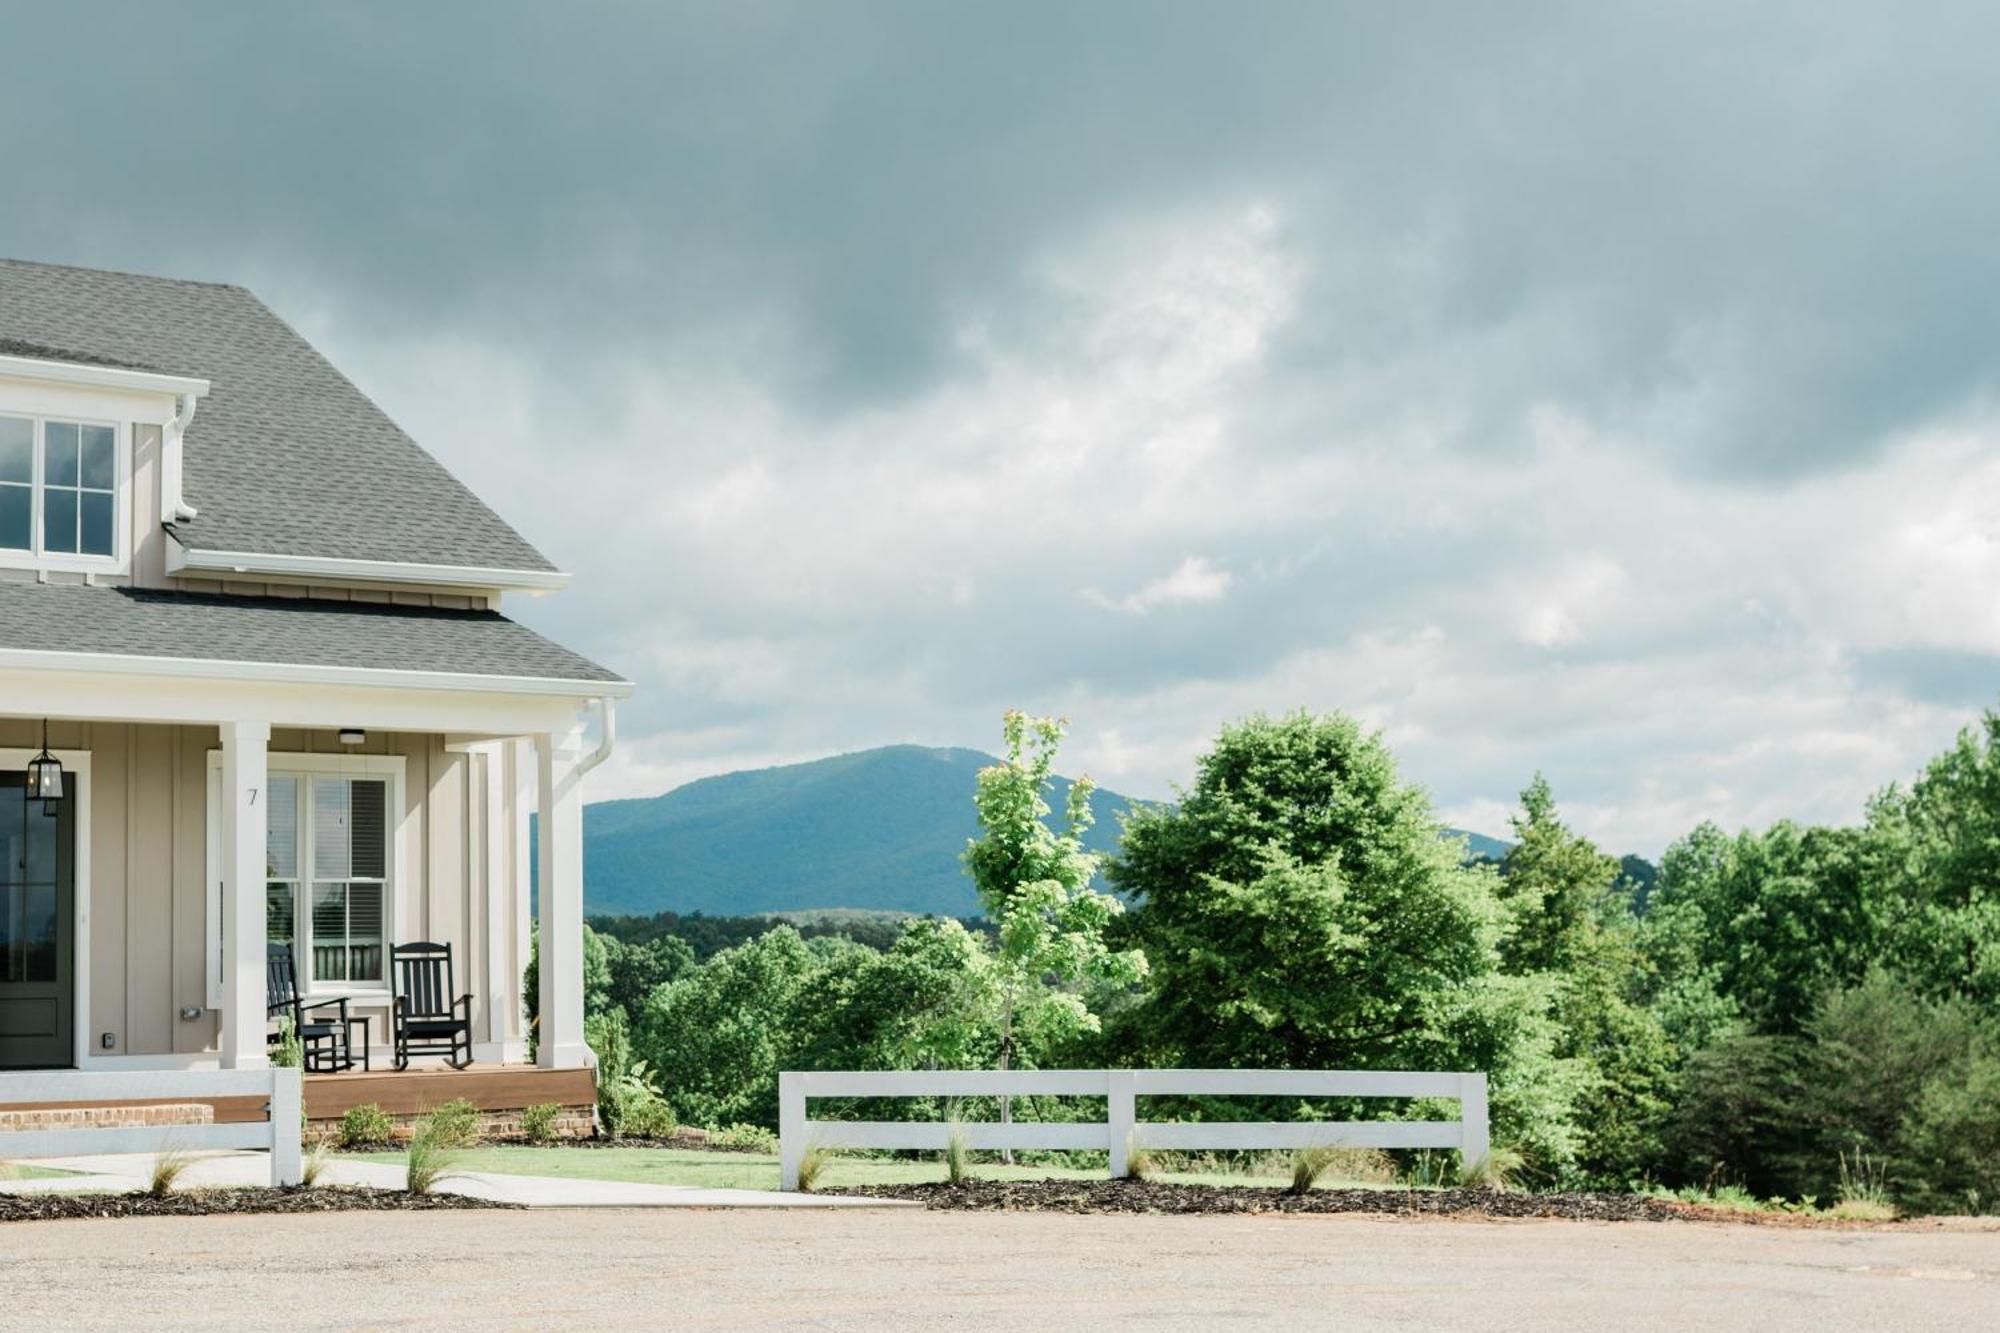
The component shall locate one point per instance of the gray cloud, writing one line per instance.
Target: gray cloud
(870, 362)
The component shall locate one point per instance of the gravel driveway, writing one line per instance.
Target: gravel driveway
(888, 1270)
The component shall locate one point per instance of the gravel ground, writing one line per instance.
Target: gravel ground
(880, 1271)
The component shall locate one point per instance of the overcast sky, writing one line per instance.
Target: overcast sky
(1605, 390)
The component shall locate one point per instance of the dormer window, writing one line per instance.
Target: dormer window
(59, 491)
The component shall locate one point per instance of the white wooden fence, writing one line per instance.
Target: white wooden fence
(279, 1132)
(1122, 1129)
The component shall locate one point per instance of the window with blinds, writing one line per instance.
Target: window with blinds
(326, 875)
(349, 857)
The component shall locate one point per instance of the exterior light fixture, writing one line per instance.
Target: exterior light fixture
(45, 775)
(352, 735)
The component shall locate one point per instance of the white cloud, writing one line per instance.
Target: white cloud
(1669, 646)
(1195, 580)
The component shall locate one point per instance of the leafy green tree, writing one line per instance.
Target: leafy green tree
(635, 970)
(717, 1037)
(1768, 920)
(1035, 883)
(1569, 920)
(1553, 885)
(1936, 849)
(596, 978)
(1302, 908)
(1300, 905)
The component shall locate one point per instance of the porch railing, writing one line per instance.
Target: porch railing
(279, 1132)
(1122, 1130)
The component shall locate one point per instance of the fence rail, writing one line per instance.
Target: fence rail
(1122, 1130)
(279, 1132)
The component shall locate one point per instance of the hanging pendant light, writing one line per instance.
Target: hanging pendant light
(45, 775)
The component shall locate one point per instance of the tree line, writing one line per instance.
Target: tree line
(1797, 1011)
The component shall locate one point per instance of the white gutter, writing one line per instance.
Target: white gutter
(222, 669)
(100, 377)
(180, 557)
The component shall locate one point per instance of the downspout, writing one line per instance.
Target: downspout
(173, 507)
(607, 711)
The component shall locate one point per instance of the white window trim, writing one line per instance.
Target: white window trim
(119, 562)
(391, 767)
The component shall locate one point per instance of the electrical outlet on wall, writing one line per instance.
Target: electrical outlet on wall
(108, 1040)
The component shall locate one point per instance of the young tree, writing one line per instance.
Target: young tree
(1567, 920)
(1553, 885)
(1035, 885)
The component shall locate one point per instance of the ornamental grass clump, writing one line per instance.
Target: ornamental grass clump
(318, 1156)
(812, 1163)
(1140, 1163)
(168, 1168)
(432, 1156)
(1495, 1171)
(1863, 1192)
(1309, 1164)
(957, 1156)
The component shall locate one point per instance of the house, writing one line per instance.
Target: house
(260, 629)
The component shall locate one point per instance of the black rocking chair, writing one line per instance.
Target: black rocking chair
(428, 1020)
(322, 1041)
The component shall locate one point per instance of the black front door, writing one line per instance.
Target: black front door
(37, 916)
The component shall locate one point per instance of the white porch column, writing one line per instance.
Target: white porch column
(245, 768)
(559, 914)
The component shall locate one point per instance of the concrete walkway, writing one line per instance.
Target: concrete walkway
(122, 1173)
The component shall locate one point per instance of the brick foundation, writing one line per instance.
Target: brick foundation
(572, 1122)
(105, 1117)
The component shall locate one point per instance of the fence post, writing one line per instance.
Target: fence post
(287, 1114)
(791, 1129)
(1474, 1144)
(1120, 1115)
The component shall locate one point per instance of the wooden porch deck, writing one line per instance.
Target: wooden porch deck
(500, 1091)
(494, 1089)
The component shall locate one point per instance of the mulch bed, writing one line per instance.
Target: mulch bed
(53, 1205)
(1143, 1196)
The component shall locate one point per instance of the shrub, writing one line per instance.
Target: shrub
(1950, 1161)
(364, 1126)
(743, 1138)
(291, 1052)
(538, 1123)
(456, 1124)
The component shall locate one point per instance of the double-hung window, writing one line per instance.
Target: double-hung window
(58, 487)
(326, 881)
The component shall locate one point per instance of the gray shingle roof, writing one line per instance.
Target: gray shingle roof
(69, 617)
(285, 456)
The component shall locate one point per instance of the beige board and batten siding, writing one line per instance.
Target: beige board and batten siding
(148, 874)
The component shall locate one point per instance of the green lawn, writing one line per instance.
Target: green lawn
(752, 1171)
(22, 1171)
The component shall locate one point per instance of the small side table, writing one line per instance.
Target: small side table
(359, 1021)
